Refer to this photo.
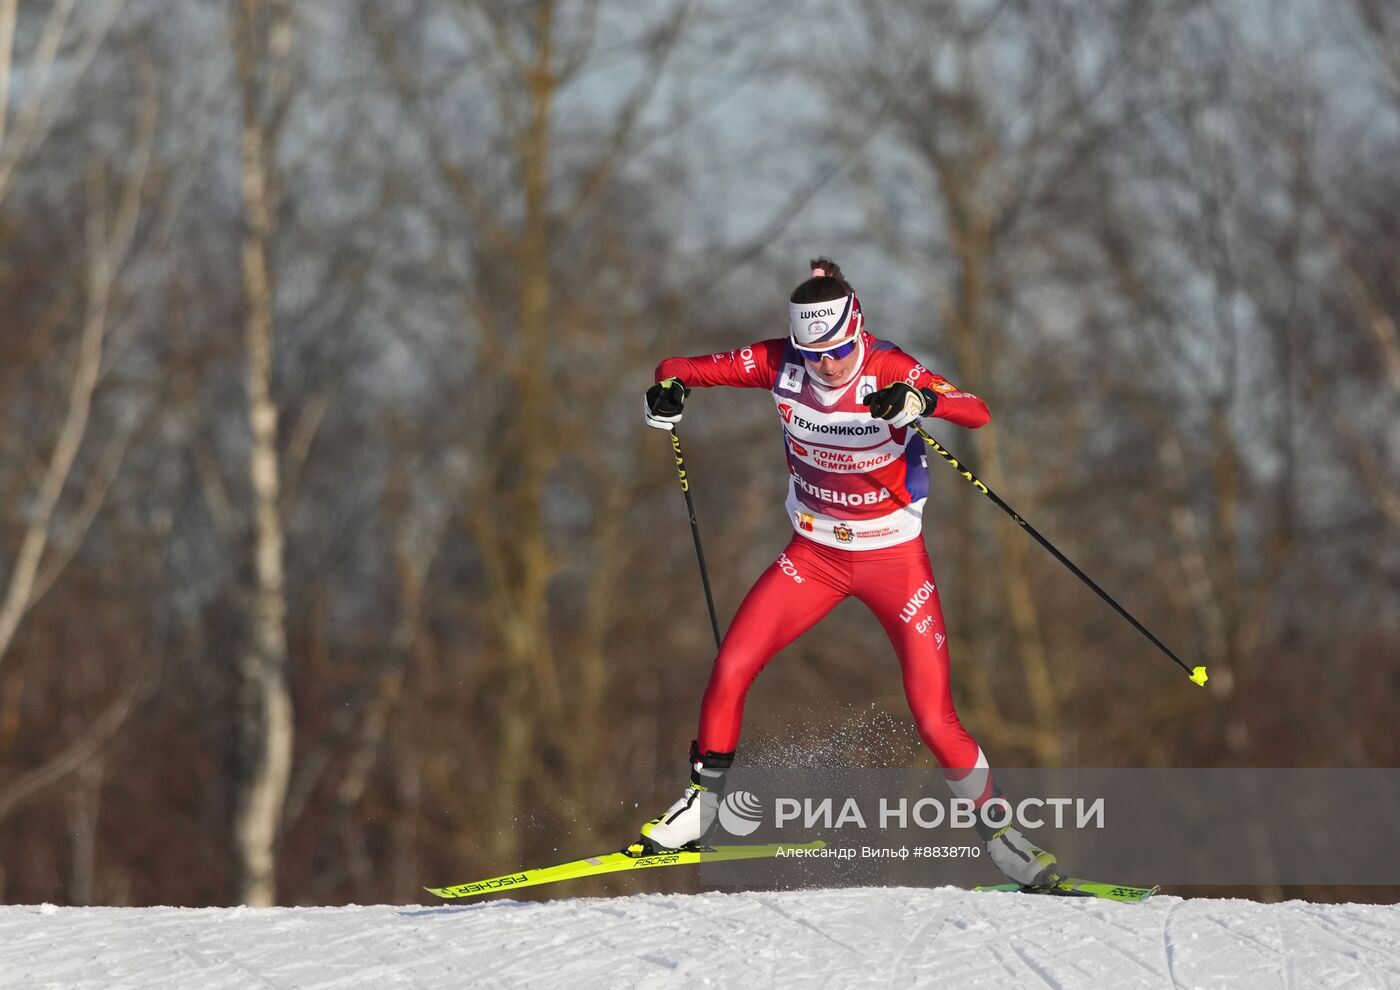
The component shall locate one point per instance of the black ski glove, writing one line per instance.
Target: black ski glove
(901, 403)
(665, 400)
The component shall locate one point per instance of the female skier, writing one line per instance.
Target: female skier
(857, 485)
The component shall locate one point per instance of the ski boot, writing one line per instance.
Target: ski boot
(686, 823)
(1013, 854)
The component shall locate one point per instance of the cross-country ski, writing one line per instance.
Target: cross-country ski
(614, 862)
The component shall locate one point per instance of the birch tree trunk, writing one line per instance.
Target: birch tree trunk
(265, 717)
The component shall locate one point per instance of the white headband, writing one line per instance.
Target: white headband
(823, 325)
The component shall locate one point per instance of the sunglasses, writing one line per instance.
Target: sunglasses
(835, 353)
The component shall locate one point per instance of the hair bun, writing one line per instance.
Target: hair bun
(826, 283)
(825, 266)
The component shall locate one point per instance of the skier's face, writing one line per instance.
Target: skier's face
(834, 371)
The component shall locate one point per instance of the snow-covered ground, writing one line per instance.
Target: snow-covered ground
(894, 937)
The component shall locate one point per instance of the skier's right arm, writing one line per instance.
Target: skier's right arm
(754, 366)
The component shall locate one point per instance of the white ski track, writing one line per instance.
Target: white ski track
(886, 937)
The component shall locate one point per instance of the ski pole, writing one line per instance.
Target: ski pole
(1197, 674)
(695, 532)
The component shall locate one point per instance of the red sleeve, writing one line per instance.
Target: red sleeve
(954, 405)
(754, 366)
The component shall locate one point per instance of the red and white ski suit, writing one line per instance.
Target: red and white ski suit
(856, 493)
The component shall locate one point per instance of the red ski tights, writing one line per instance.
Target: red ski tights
(806, 582)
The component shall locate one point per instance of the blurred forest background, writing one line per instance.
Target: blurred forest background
(335, 558)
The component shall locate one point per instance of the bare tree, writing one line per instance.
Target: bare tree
(114, 268)
(109, 246)
(110, 240)
(262, 41)
(996, 157)
(526, 305)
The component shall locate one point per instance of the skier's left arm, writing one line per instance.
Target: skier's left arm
(907, 391)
